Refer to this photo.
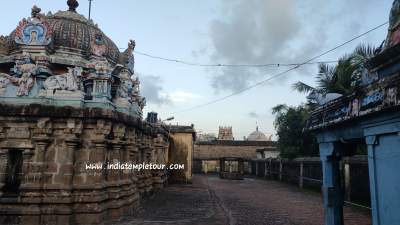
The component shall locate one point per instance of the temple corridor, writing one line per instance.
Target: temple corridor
(210, 200)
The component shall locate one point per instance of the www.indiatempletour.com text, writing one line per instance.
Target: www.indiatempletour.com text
(133, 166)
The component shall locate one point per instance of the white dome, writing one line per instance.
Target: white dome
(258, 136)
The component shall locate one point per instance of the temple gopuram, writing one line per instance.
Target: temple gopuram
(68, 99)
(369, 116)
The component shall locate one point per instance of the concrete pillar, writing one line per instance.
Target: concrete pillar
(331, 189)
(270, 168)
(301, 174)
(383, 163)
(372, 141)
(347, 184)
(265, 169)
(256, 168)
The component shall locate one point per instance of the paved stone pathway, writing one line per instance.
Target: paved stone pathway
(213, 201)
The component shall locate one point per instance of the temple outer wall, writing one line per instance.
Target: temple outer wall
(208, 153)
(54, 145)
(241, 149)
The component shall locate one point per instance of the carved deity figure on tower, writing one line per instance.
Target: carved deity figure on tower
(123, 95)
(135, 89)
(135, 94)
(69, 81)
(27, 69)
(34, 30)
(101, 67)
(125, 86)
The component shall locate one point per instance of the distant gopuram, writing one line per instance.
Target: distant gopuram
(225, 133)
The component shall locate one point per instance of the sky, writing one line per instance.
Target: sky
(224, 32)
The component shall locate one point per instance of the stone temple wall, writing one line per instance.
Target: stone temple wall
(242, 149)
(43, 153)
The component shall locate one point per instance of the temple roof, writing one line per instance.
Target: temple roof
(70, 32)
(64, 59)
(238, 143)
(258, 136)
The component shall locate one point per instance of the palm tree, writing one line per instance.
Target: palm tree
(339, 78)
(363, 53)
(278, 109)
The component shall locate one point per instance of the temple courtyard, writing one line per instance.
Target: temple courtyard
(215, 201)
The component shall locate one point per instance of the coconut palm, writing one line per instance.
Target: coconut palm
(363, 53)
(339, 78)
(278, 109)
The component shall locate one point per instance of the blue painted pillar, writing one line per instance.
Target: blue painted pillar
(382, 135)
(384, 167)
(331, 188)
(372, 141)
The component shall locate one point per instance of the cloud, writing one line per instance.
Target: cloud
(180, 96)
(151, 89)
(270, 31)
(253, 115)
(255, 32)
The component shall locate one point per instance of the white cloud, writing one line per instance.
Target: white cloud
(152, 90)
(180, 96)
(285, 31)
(254, 32)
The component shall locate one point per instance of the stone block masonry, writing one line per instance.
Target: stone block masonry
(209, 150)
(43, 153)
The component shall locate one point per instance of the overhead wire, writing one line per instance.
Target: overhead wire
(224, 65)
(227, 65)
(281, 73)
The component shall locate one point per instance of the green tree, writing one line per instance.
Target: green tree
(339, 78)
(289, 123)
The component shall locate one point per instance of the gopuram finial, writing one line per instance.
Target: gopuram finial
(72, 4)
(35, 11)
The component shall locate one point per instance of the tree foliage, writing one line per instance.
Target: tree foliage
(289, 124)
(339, 78)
